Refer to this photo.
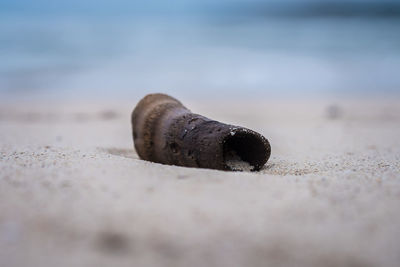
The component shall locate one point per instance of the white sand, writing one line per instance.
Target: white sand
(236, 163)
(74, 193)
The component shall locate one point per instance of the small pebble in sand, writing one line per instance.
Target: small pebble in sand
(333, 112)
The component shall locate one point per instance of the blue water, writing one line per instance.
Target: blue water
(67, 54)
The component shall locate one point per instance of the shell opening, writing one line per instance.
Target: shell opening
(245, 151)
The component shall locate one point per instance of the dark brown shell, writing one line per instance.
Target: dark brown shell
(165, 131)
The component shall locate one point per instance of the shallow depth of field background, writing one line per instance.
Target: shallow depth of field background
(260, 49)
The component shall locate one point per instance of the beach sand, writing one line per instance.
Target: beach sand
(73, 192)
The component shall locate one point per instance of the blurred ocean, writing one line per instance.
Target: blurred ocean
(119, 49)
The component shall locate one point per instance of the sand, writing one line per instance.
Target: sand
(236, 163)
(74, 193)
